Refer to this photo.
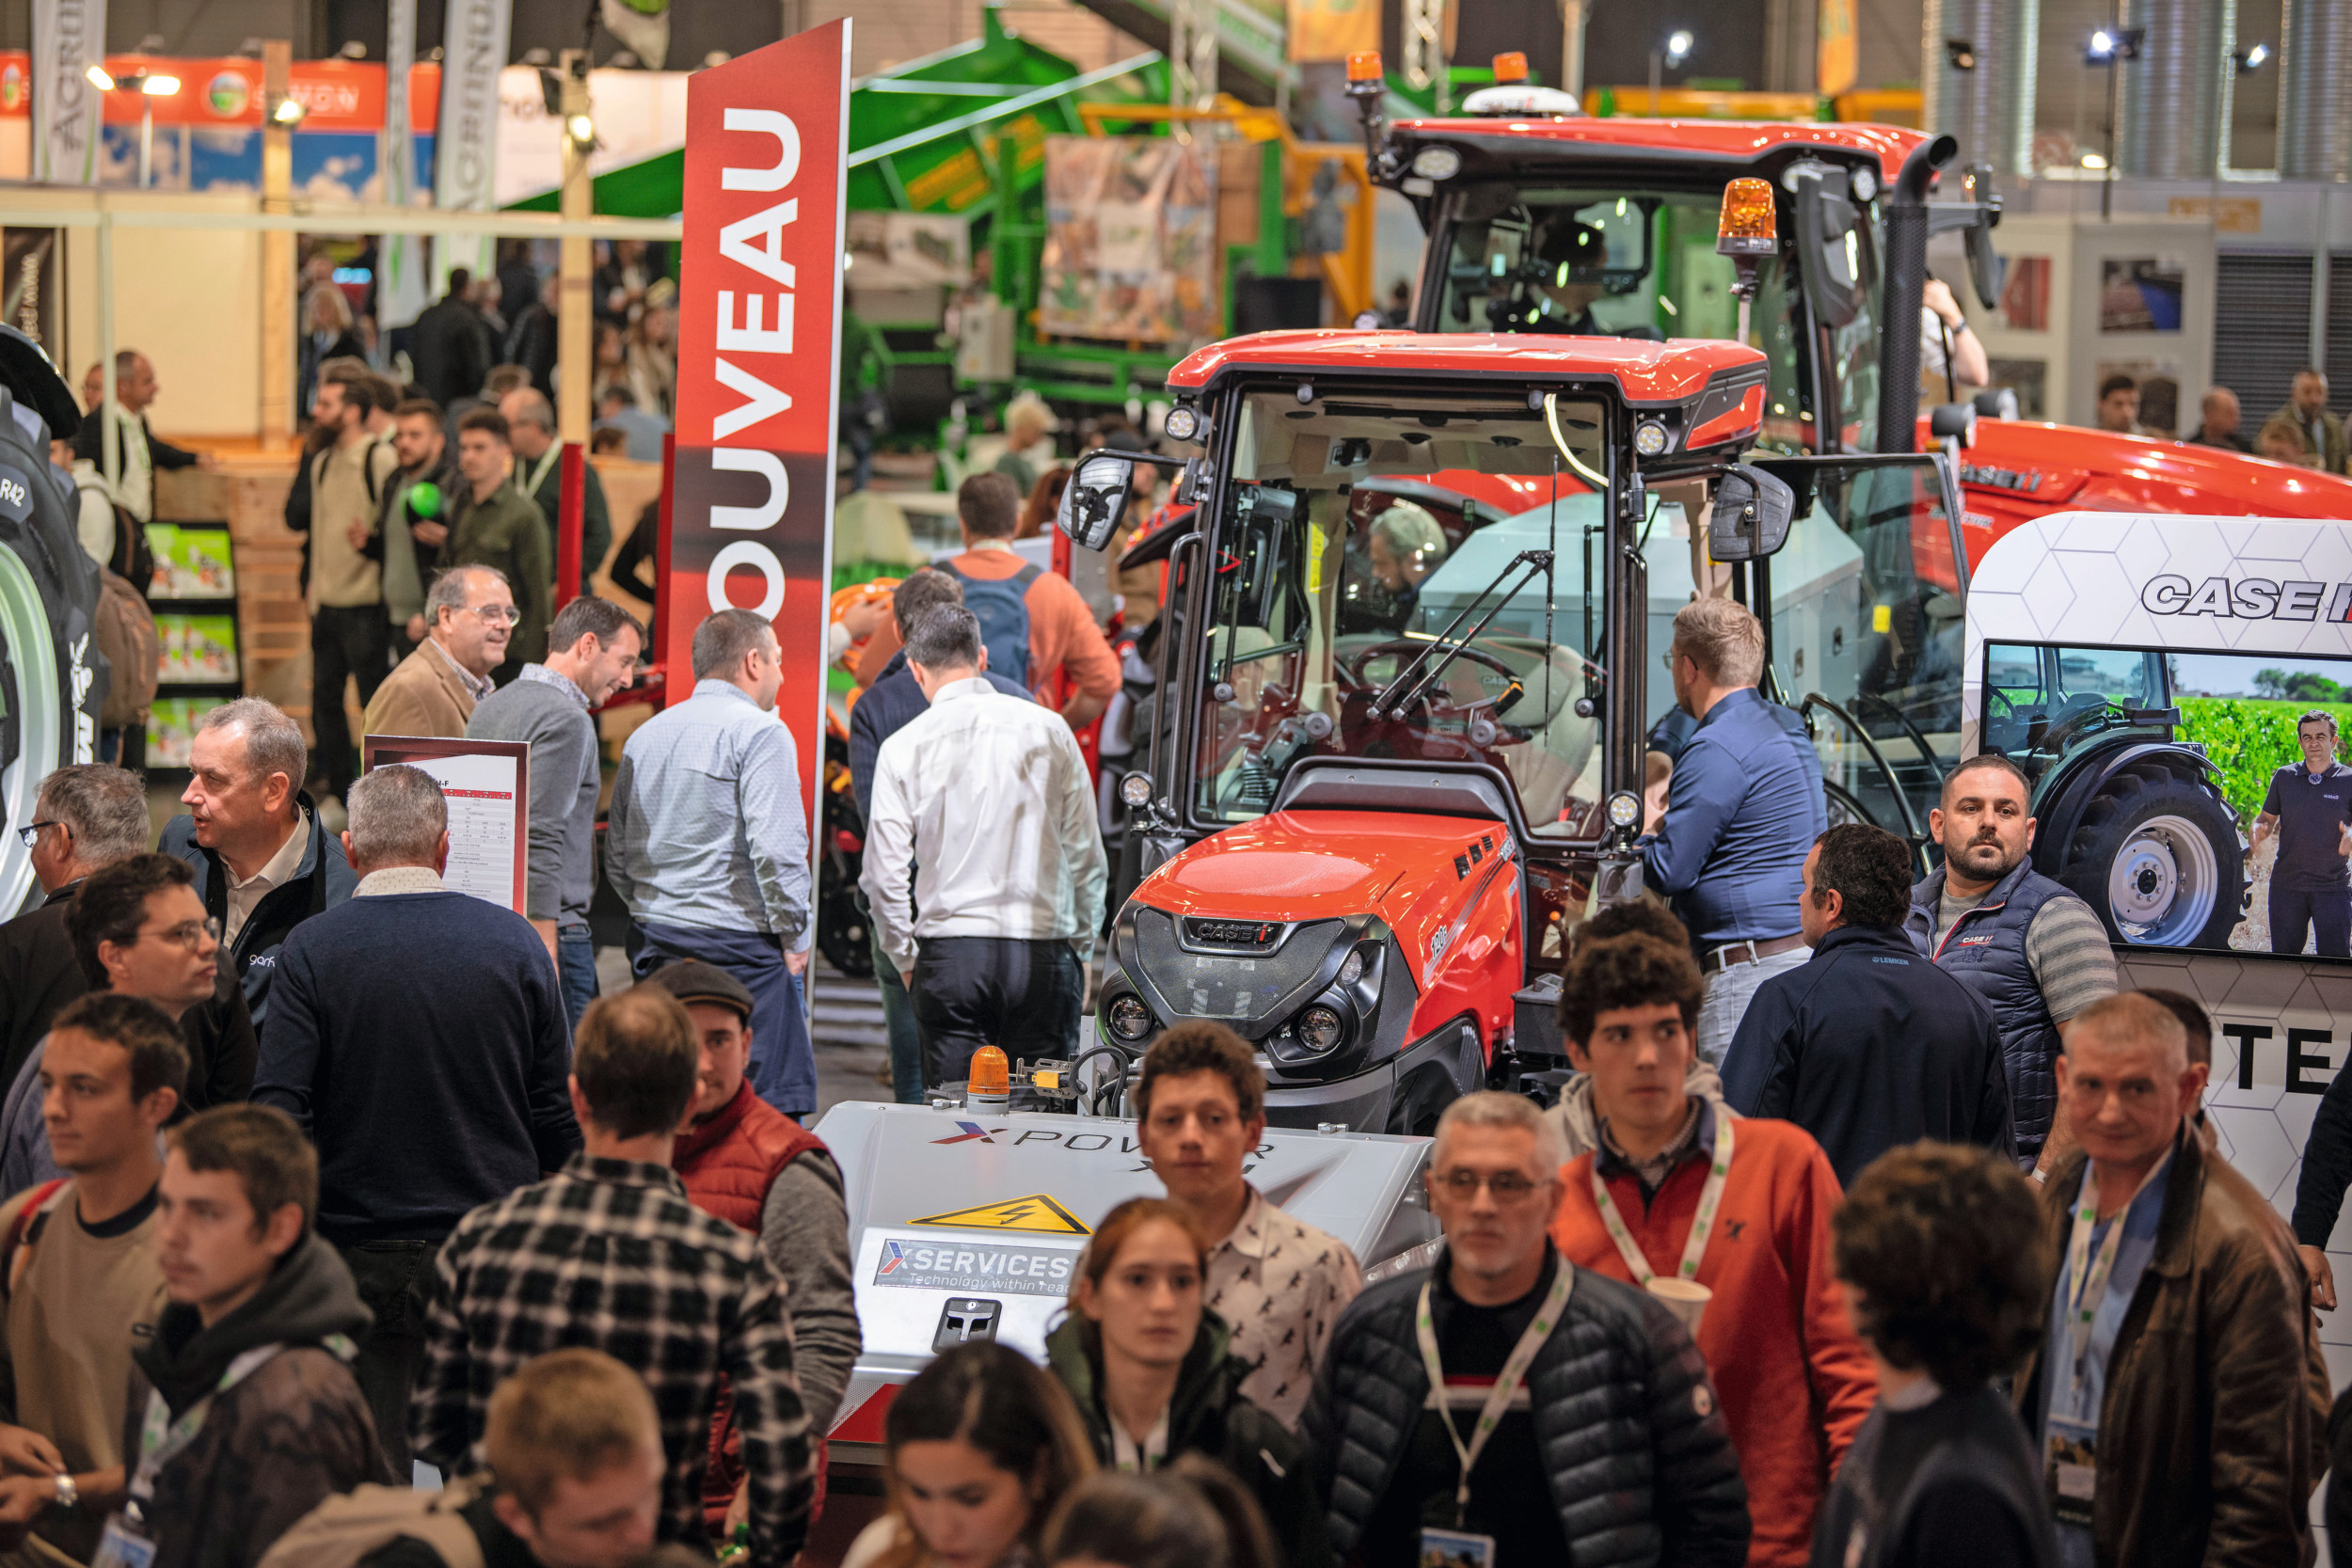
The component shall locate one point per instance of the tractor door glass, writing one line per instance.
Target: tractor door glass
(2040, 701)
(1620, 264)
(1364, 549)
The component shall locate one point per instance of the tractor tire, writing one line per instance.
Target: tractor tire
(2158, 858)
(53, 678)
(842, 931)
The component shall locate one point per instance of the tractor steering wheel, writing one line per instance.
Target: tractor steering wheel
(1353, 668)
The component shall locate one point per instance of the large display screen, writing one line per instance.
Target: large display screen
(2253, 857)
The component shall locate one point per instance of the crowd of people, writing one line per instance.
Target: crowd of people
(2301, 431)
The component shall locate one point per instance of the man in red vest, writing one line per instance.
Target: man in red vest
(753, 1166)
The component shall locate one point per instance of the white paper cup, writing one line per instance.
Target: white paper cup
(1686, 1299)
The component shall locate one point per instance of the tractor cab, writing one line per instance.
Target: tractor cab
(1411, 667)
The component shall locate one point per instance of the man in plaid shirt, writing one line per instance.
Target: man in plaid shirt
(611, 1254)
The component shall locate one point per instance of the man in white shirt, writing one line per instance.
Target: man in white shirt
(984, 863)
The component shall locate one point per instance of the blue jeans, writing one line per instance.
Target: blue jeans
(784, 1064)
(575, 969)
(906, 1039)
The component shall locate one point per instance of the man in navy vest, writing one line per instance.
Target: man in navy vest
(2028, 947)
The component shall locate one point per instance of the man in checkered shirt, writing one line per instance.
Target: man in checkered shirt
(611, 1254)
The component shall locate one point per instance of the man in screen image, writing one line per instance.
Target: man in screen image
(2308, 808)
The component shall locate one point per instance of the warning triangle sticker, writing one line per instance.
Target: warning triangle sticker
(1034, 1213)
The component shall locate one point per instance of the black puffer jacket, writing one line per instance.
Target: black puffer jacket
(1640, 1464)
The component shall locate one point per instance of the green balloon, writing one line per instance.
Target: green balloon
(424, 498)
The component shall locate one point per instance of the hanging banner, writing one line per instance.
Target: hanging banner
(69, 37)
(465, 159)
(1837, 59)
(760, 316)
(400, 295)
(1333, 30)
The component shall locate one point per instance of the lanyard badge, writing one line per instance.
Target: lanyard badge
(1702, 1223)
(1499, 1396)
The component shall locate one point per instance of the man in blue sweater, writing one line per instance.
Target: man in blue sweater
(440, 1011)
(891, 703)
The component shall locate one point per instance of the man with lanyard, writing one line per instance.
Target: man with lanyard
(243, 1413)
(1749, 1239)
(2309, 810)
(1507, 1409)
(539, 474)
(2169, 1402)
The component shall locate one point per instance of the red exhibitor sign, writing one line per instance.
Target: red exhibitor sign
(760, 338)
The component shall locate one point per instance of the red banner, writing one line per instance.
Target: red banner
(759, 311)
(340, 95)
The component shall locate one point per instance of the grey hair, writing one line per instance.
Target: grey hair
(722, 639)
(531, 407)
(449, 590)
(105, 808)
(273, 742)
(1493, 1108)
(1409, 530)
(947, 637)
(398, 816)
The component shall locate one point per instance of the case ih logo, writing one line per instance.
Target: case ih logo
(1256, 935)
(2249, 599)
(971, 1130)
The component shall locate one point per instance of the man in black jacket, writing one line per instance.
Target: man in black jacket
(136, 452)
(86, 818)
(890, 704)
(263, 862)
(1869, 1045)
(1609, 1448)
(448, 347)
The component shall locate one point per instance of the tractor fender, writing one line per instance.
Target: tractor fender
(2079, 777)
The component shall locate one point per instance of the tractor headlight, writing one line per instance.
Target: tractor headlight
(1320, 1029)
(1136, 790)
(1625, 809)
(1130, 1019)
(1437, 163)
(1649, 438)
(1183, 423)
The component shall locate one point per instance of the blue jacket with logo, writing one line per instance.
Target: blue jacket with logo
(1985, 950)
(1869, 1046)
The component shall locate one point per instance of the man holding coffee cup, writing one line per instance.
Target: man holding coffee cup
(1725, 1220)
(1506, 1409)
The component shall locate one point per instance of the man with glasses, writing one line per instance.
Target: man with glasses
(592, 652)
(416, 1035)
(2309, 810)
(706, 844)
(1681, 1191)
(87, 816)
(469, 620)
(1509, 1407)
(138, 929)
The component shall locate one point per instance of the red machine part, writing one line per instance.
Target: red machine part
(1649, 374)
(1731, 142)
(1447, 886)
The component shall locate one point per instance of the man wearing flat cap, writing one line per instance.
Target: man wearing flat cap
(749, 1164)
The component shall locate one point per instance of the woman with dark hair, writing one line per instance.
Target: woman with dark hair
(1939, 1247)
(1192, 1514)
(1044, 502)
(1154, 1378)
(977, 1450)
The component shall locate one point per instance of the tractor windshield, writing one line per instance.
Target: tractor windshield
(1617, 263)
(1408, 584)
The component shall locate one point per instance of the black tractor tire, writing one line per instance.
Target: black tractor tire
(2158, 857)
(53, 678)
(842, 929)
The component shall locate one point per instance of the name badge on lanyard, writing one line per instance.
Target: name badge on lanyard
(2071, 1460)
(1702, 1223)
(1458, 1547)
(124, 1542)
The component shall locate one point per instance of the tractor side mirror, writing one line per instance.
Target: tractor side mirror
(1826, 219)
(1987, 271)
(1095, 499)
(1751, 516)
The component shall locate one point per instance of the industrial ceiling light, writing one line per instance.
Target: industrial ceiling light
(100, 79)
(2110, 44)
(1678, 46)
(581, 129)
(1960, 53)
(289, 112)
(2250, 59)
(157, 85)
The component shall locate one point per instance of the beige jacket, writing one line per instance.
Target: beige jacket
(425, 695)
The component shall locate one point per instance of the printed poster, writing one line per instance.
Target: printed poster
(487, 786)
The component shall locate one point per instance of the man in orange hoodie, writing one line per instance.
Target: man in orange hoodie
(1680, 1188)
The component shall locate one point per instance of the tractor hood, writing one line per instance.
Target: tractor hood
(1259, 889)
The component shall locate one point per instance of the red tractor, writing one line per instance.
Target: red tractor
(1374, 800)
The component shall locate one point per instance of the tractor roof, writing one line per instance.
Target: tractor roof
(1646, 374)
(1712, 142)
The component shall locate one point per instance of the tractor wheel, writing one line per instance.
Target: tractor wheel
(841, 922)
(2158, 858)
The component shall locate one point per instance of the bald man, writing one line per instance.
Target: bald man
(2219, 424)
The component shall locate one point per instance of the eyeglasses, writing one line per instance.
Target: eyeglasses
(188, 933)
(31, 835)
(496, 614)
(1508, 1186)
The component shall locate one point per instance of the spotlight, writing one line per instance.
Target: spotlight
(1960, 54)
(2110, 44)
(1678, 46)
(2250, 59)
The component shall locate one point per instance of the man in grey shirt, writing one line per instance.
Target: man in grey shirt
(592, 652)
